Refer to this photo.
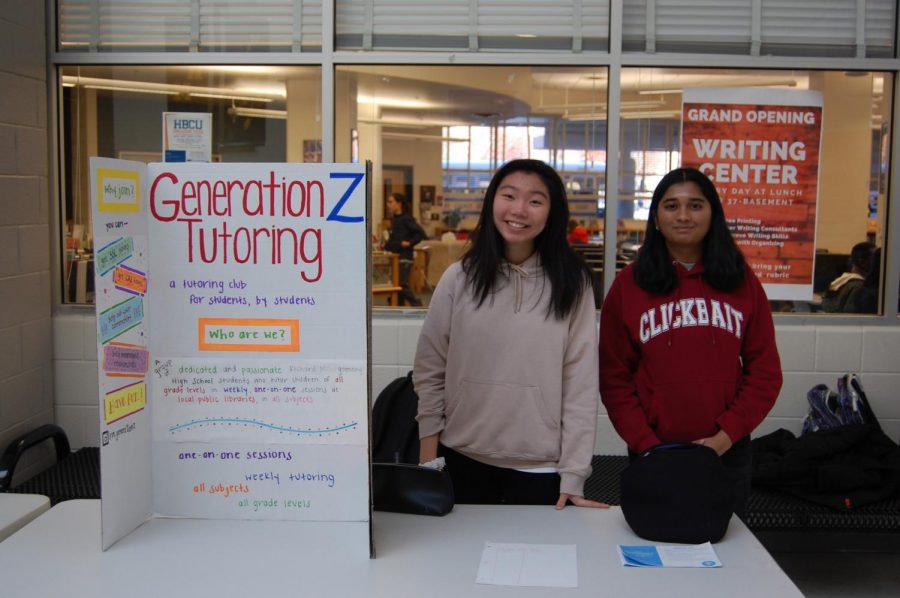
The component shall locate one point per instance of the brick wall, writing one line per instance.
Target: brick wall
(809, 355)
(26, 342)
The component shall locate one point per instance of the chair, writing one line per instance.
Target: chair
(418, 278)
(75, 475)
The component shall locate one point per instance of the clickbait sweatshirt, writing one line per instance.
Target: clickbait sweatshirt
(682, 366)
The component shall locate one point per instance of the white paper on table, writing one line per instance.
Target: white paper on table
(692, 555)
(535, 565)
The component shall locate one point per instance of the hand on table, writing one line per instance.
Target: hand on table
(578, 501)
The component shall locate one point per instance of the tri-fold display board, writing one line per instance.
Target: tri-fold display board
(233, 339)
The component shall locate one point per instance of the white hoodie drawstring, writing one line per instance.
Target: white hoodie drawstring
(517, 273)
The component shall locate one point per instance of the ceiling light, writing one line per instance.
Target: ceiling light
(131, 89)
(260, 90)
(645, 92)
(729, 82)
(394, 102)
(261, 94)
(258, 112)
(222, 96)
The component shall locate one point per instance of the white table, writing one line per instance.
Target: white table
(59, 553)
(18, 509)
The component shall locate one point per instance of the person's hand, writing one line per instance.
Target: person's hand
(719, 442)
(404, 244)
(428, 448)
(578, 501)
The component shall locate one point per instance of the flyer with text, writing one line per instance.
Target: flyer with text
(761, 149)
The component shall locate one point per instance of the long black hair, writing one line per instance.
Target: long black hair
(723, 263)
(567, 272)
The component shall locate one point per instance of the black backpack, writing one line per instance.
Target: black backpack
(395, 431)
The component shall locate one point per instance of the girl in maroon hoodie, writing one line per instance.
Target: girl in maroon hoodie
(687, 344)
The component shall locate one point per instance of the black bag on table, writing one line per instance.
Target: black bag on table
(677, 492)
(414, 489)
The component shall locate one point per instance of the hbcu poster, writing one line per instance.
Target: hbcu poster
(761, 149)
(247, 398)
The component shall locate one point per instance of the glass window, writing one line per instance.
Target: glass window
(845, 221)
(437, 134)
(189, 26)
(116, 112)
(761, 27)
(467, 25)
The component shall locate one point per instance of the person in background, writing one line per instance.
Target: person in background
(577, 233)
(835, 298)
(863, 298)
(405, 234)
(687, 343)
(506, 364)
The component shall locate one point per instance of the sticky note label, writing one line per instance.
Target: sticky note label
(249, 334)
(124, 401)
(118, 190)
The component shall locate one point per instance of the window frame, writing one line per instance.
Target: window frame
(614, 60)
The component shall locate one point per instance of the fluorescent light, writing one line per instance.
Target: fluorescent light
(651, 114)
(247, 94)
(394, 102)
(420, 136)
(132, 89)
(258, 112)
(647, 92)
(276, 89)
(222, 96)
(413, 123)
(719, 82)
(124, 85)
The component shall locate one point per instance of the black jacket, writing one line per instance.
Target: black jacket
(404, 228)
(843, 468)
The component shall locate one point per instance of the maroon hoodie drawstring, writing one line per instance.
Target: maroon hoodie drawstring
(677, 303)
(707, 291)
(709, 330)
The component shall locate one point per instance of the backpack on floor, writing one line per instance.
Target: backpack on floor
(395, 431)
(847, 407)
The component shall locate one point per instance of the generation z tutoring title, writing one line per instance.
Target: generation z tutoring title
(290, 214)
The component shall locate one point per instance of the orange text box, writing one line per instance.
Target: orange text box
(131, 280)
(124, 401)
(267, 335)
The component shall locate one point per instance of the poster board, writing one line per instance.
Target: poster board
(761, 149)
(233, 341)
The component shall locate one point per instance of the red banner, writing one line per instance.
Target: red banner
(761, 149)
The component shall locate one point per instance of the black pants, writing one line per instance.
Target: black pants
(406, 296)
(480, 484)
(738, 460)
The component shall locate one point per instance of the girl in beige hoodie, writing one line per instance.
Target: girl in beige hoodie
(506, 365)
